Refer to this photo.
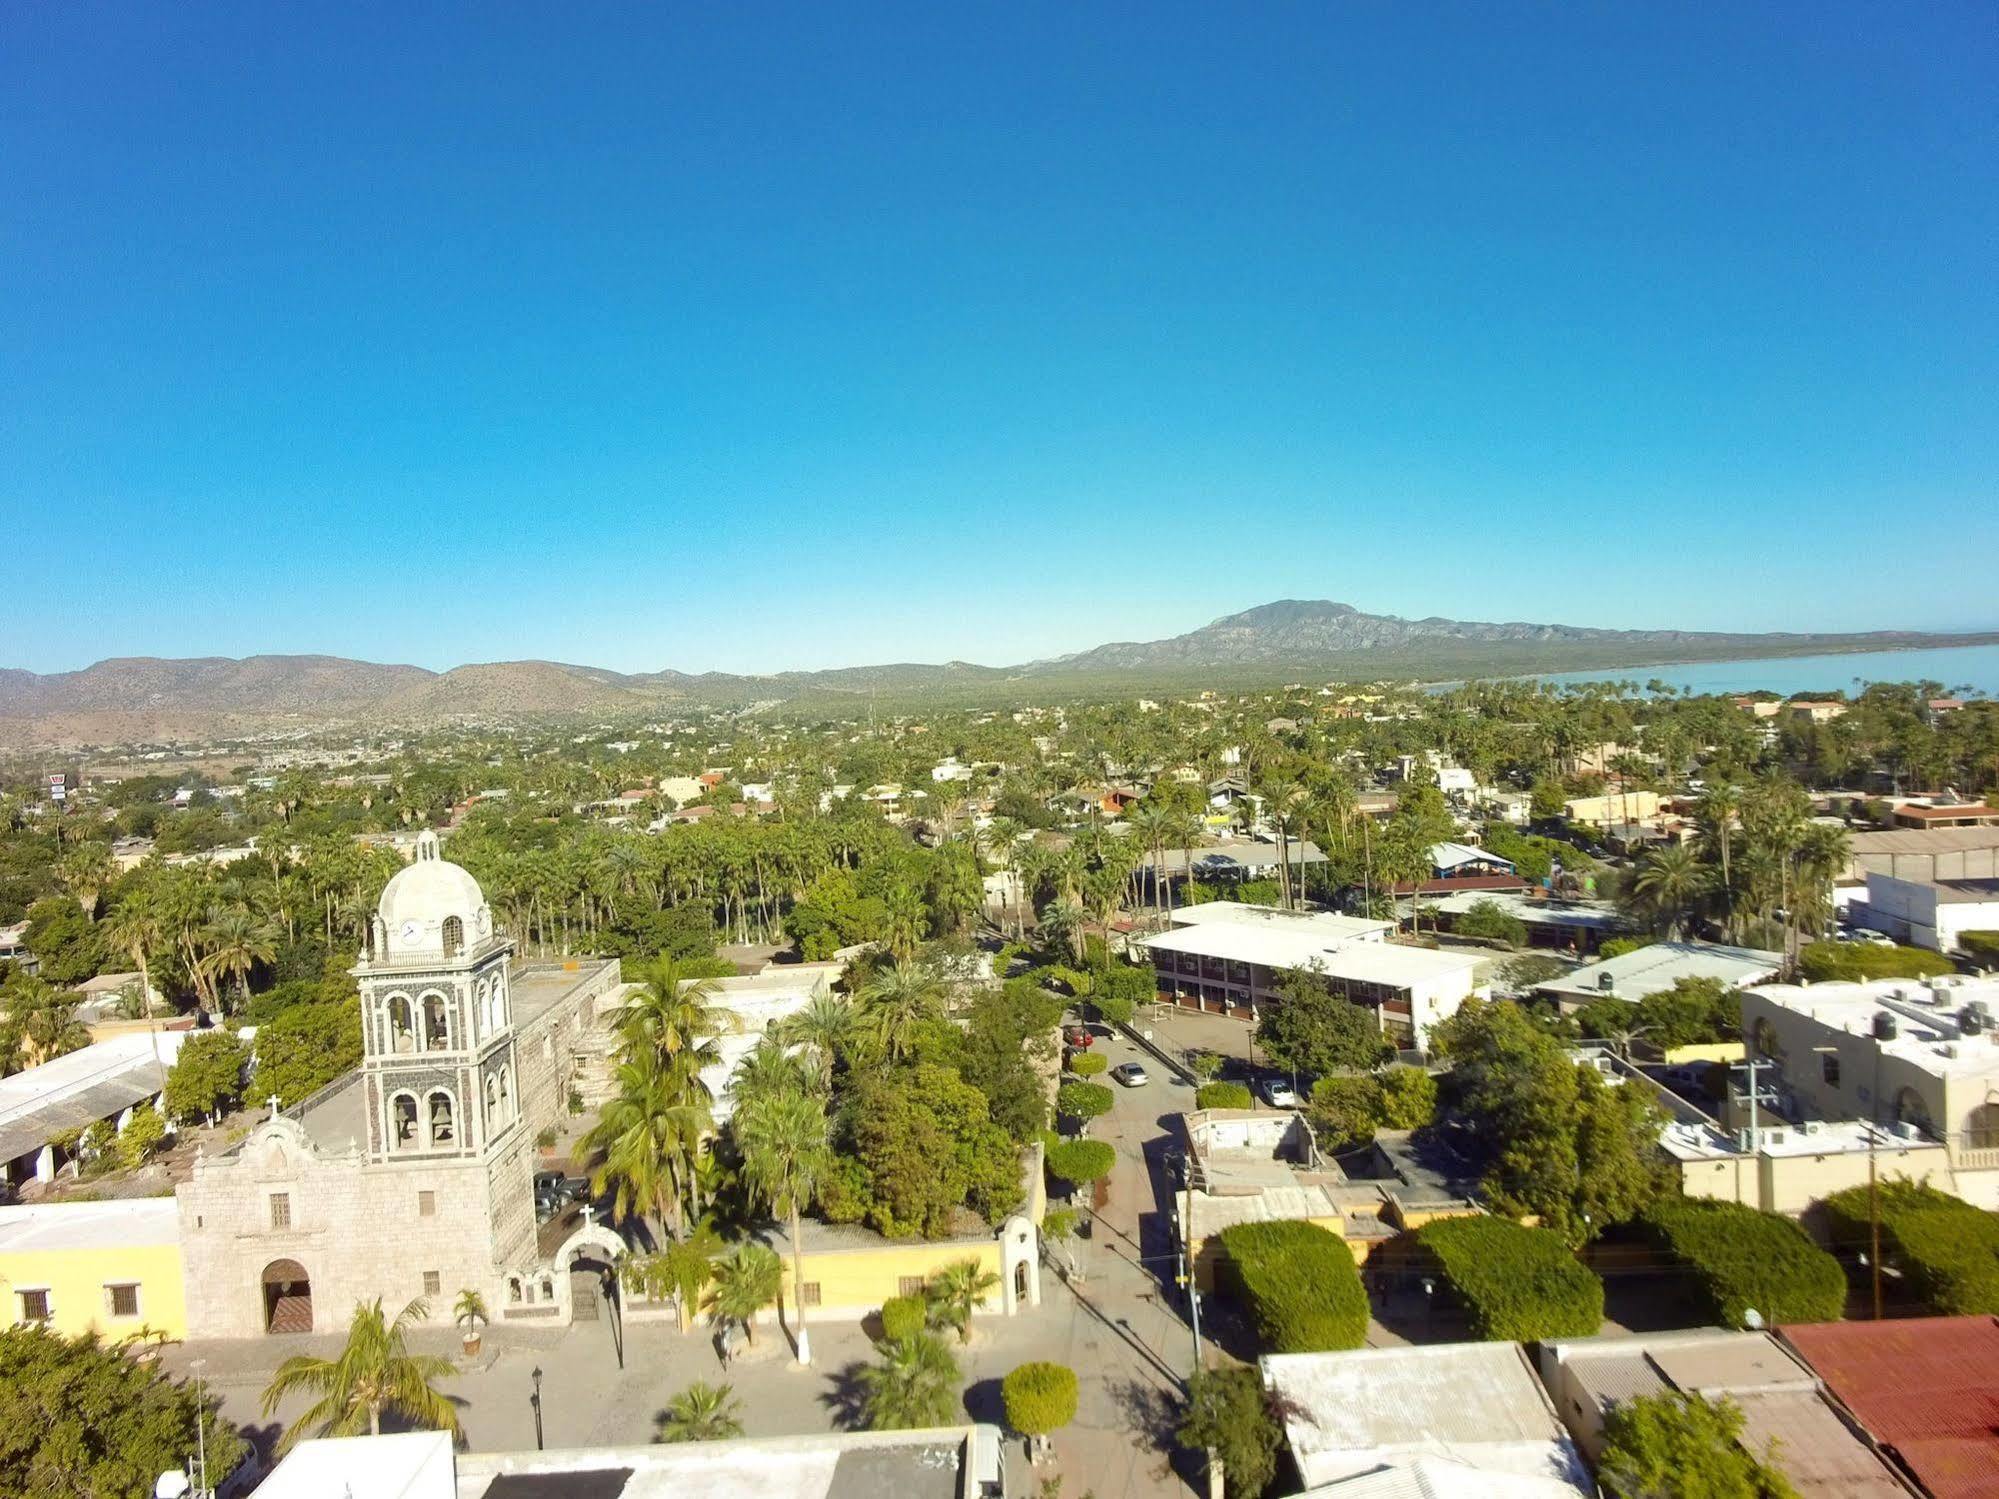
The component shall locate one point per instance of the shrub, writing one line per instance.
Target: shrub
(1040, 1398)
(1087, 1063)
(1866, 960)
(903, 1317)
(1301, 1286)
(1742, 1258)
(1080, 1162)
(1947, 1249)
(140, 1138)
(1617, 947)
(1223, 1096)
(1515, 1283)
(1654, 1444)
(1408, 1098)
(1488, 918)
(1346, 1111)
(1982, 946)
(1084, 1101)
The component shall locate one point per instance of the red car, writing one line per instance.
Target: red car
(1079, 1036)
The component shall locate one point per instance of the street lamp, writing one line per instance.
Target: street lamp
(535, 1401)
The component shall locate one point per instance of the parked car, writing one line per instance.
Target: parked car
(1280, 1094)
(1078, 1036)
(1130, 1074)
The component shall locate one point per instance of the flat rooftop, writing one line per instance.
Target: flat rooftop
(1929, 1033)
(538, 986)
(1654, 969)
(1238, 913)
(1479, 1404)
(866, 1465)
(1595, 915)
(1386, 963)
(89, 1225)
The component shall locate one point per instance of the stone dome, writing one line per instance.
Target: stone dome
(425, 894)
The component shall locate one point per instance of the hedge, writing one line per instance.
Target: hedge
(1301, 1285)
(1742, 1259)
(1080, 1161)
(1515, 1283)
(1947, 1249)
(1983, 946)
(1040, 1398)
(903, 1317)
(1870, 960)
(1223, 1096)
(1087, 1063)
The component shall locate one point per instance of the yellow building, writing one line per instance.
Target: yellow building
(113, 1268)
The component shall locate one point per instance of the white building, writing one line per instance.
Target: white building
(1233, 959)
(1449, 1419)
(1653, 969)
(1930, 913)
(752, 1005)
(107, 1080)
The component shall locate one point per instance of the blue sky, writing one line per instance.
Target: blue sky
(749, 337)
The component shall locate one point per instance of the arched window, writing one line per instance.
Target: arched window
(454, 936)
(443, 1120)
(1981, 1127)
(402, 1023)
(1911, 1109)
(492, 1102)
(514, 1294)
(1768, 1046)
(436, 1023)
(506, 1092)
(402, 1121)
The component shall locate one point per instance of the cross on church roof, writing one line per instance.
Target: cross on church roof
(273, 1102)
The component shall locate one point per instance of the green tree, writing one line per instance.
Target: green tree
(64, 940)
(207, 1076)
(1313, 1030)
(1693, 1012)
(1040, 1399)
(1083, 1102)
(1345, 1111)
(1683, 1445)
(374, 1373)
(746, 1281)
(702, 1412)
(140, 1137)
(1228, 1414)
(1670, 885)
(786, 1155)
(1488, 918)
(305, 1048)
(912, 1384)
(893, 1007)
(235, 941)
(1408, 1098)
(84, 1420)
(1081, 1162)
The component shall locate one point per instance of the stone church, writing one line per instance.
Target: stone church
(412, 1175)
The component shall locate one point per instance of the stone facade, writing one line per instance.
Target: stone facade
(412, 1176)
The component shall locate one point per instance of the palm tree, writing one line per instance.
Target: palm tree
(470, 1313)
(84, 870)
(956, 1291)
(770, 1069)
(688, 1266)
(375, 1372)
(1153, 823)
(701, 1413)
(649, 1132)
(48, 1021)
(912, 1385)
(906, 920)
(1715, 815)
(237, 941)
(745, 1283)
(895, 1003)
(823, 1027)
(1062, 922)
(786, 1155)
(1670, 883)
(674, 1015)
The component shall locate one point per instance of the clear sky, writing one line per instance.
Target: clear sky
(751, 337)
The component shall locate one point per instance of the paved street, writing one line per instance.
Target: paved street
(1118, 1328)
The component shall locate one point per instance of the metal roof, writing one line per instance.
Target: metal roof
(1927, 1388)
(1657, 967)
(1385, 963)
(76, 1090)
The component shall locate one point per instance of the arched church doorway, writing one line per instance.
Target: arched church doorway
(592, 1282)
(287, 1297)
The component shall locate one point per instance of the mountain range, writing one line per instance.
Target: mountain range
(136, 698)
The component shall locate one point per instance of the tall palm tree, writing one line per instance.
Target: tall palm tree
(906, 920)
(373, 1373)
(912, 1385)
(745, 1283)
(1715, 814)
(1062, 921)
(702, 1412)
(895, 1003)
(786, 1155)
(649, 1133)
(1670, 884)
(1153, 823)
(236, 941)
(770, 1069)
(85, 869)
(824, 1028)
(674, 1015)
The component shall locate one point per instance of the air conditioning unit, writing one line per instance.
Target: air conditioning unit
(1908, 1129)
(1812, 1127)
(1775, 1136)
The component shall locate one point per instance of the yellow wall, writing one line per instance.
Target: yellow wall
(75, 1280)
(1718, 1051)
(859, 1280)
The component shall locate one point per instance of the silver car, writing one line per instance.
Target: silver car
(1130, 1074)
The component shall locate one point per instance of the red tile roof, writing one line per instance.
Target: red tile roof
(1450, 883)
(1926, 1388)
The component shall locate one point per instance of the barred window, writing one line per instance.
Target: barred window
(34, 1306)
(123, 1300)
(281, 1210)
(433, 1282)
(811, 1296)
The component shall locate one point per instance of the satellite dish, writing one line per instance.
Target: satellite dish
(1752, 1319)
(173, 1485)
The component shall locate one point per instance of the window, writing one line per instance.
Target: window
(1829, 1068)
(34, 1306)
(811, 1297)
(433, 1282)
(426, 1204)
(281, 1210)
(909, 1285)
(443, 1131)
(454, 936)
(122, 1301)
(402, 1112)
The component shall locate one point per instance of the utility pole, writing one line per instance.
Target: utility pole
(1873, 1220)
